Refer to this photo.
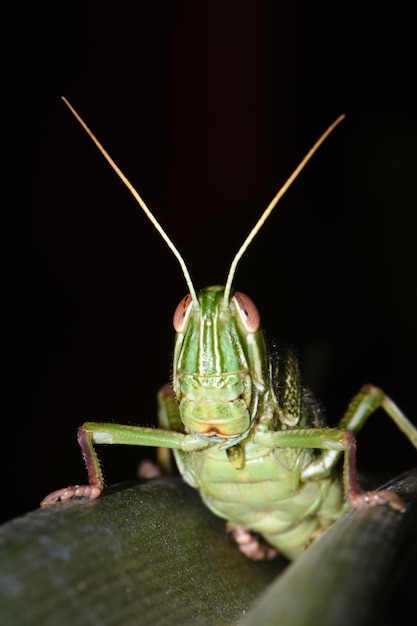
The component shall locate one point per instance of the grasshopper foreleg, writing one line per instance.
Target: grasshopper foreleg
(92, 433)
(341, 440)
(95, 475)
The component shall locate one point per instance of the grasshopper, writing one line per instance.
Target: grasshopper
(243, 427)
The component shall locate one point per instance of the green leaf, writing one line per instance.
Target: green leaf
(362, 571)
(152, 554)
(145, 554)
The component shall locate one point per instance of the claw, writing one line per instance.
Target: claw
(249, 544)
(373, 498)
(75, 491)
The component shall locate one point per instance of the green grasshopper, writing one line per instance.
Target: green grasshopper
(243, 428)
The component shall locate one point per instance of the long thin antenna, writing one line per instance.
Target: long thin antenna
(139, 201)
(271, 206)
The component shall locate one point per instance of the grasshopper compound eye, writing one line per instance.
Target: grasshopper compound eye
(182, 312)
(248, 312)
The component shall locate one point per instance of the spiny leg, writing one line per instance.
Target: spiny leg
(357, 498)
(92, 433)
(336, 441)
(363, 405)
(95, 475)
(366, 402)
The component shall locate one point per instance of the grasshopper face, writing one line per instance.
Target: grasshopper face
(220, 364)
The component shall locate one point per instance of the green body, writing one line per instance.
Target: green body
(266, 461)
(224, 376)
(267, 495)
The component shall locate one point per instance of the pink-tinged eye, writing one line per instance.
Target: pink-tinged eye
(182, 312)
(248, 312)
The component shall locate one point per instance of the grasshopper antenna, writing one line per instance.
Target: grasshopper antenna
(141, 203)
(271, 206)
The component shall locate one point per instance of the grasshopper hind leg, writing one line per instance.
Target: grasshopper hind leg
(250, 543)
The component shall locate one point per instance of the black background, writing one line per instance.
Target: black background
(207, 107)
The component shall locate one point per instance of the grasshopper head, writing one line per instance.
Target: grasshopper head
(219, 362)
